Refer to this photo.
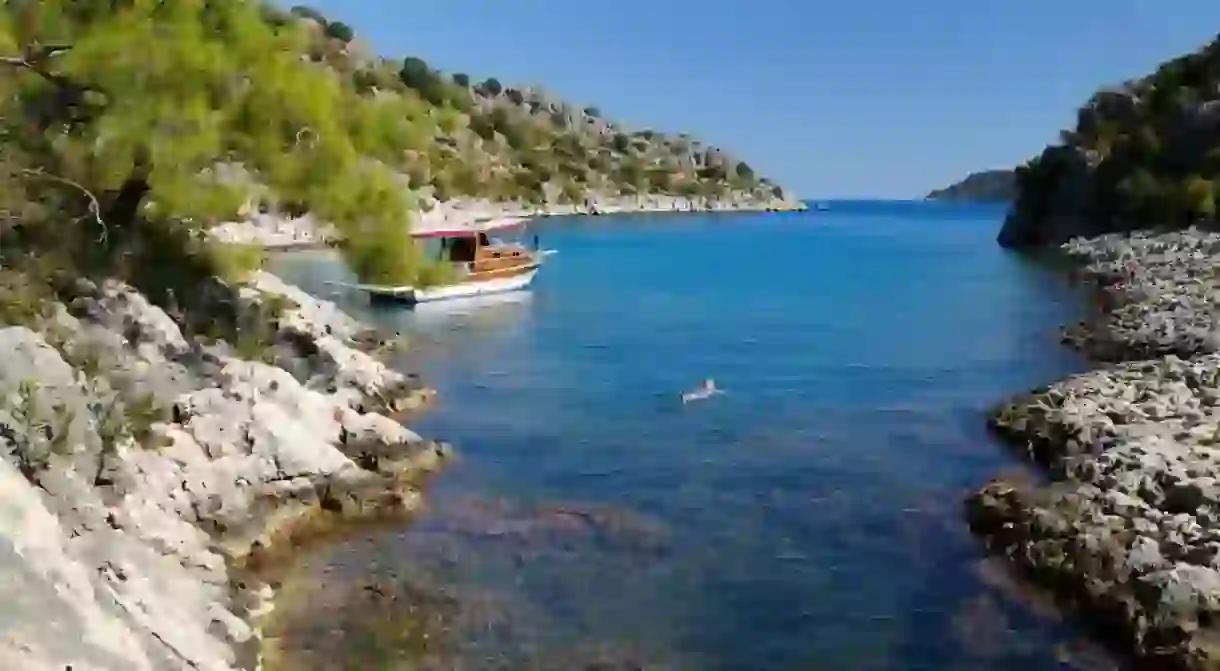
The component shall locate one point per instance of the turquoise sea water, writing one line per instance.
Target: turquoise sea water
(808, 518)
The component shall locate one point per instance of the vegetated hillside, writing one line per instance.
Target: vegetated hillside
(986, 186)
(1142, 155)
(483, 138)
(132, 126)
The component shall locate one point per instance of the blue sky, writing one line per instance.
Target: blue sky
(859, 98)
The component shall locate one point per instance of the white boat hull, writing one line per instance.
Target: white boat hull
(409, 294)
(469, 289)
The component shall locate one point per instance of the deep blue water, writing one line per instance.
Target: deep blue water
(812, 512)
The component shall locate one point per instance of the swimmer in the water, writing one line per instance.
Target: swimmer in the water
(707, 390)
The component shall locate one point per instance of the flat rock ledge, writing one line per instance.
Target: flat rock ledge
(142, 473)
(1128, 526)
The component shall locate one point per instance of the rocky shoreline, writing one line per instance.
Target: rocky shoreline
(144, 474)
(281, 232)
(1128, 527)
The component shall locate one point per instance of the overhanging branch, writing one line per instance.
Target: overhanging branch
(35, 66)
(95, 207)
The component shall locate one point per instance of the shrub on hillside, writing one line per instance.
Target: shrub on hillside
(491, 86)
(340, 31)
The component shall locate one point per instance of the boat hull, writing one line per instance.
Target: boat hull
(413, 295)
(497, 285)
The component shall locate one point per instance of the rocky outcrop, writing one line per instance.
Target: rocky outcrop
(1129, 527)
(1055, 201)
(141, 471)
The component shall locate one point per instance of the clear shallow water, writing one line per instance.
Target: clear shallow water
(809, 517)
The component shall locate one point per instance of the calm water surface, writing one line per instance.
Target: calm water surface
(808, 518)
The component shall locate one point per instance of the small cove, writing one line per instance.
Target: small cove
(808, 518)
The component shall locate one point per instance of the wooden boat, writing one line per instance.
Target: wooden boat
(481, 264)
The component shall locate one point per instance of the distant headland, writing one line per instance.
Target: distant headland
(990, 186)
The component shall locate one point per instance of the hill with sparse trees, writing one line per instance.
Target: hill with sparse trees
(116, 161)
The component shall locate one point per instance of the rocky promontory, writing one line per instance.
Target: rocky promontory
(144, 473)
(1128, 527)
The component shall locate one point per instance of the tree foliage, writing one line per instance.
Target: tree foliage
(1143, 154)
(156, 142)
(492, 86)
(308, 13)
(340, 31)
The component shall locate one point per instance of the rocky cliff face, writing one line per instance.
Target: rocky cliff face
(1058, 208)
(140, 472)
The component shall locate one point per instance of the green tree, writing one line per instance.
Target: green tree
(310, 13)
(744, 171)
(1211, 160)
(687, 189)
(461, 79)
(1141, 194)
(442, 187)
(138, 138)
(517, 136)
(714, 173)
(483, 127)
(340, 31)
(416, 73)
(459, 97)
(622, 143)
(572, 192)
(660, 179)
(1199, 198)
(491, 86)
(515, 95)
(1146, 145)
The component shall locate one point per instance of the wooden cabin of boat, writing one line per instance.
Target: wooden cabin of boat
(479, 254)
(482, 262)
